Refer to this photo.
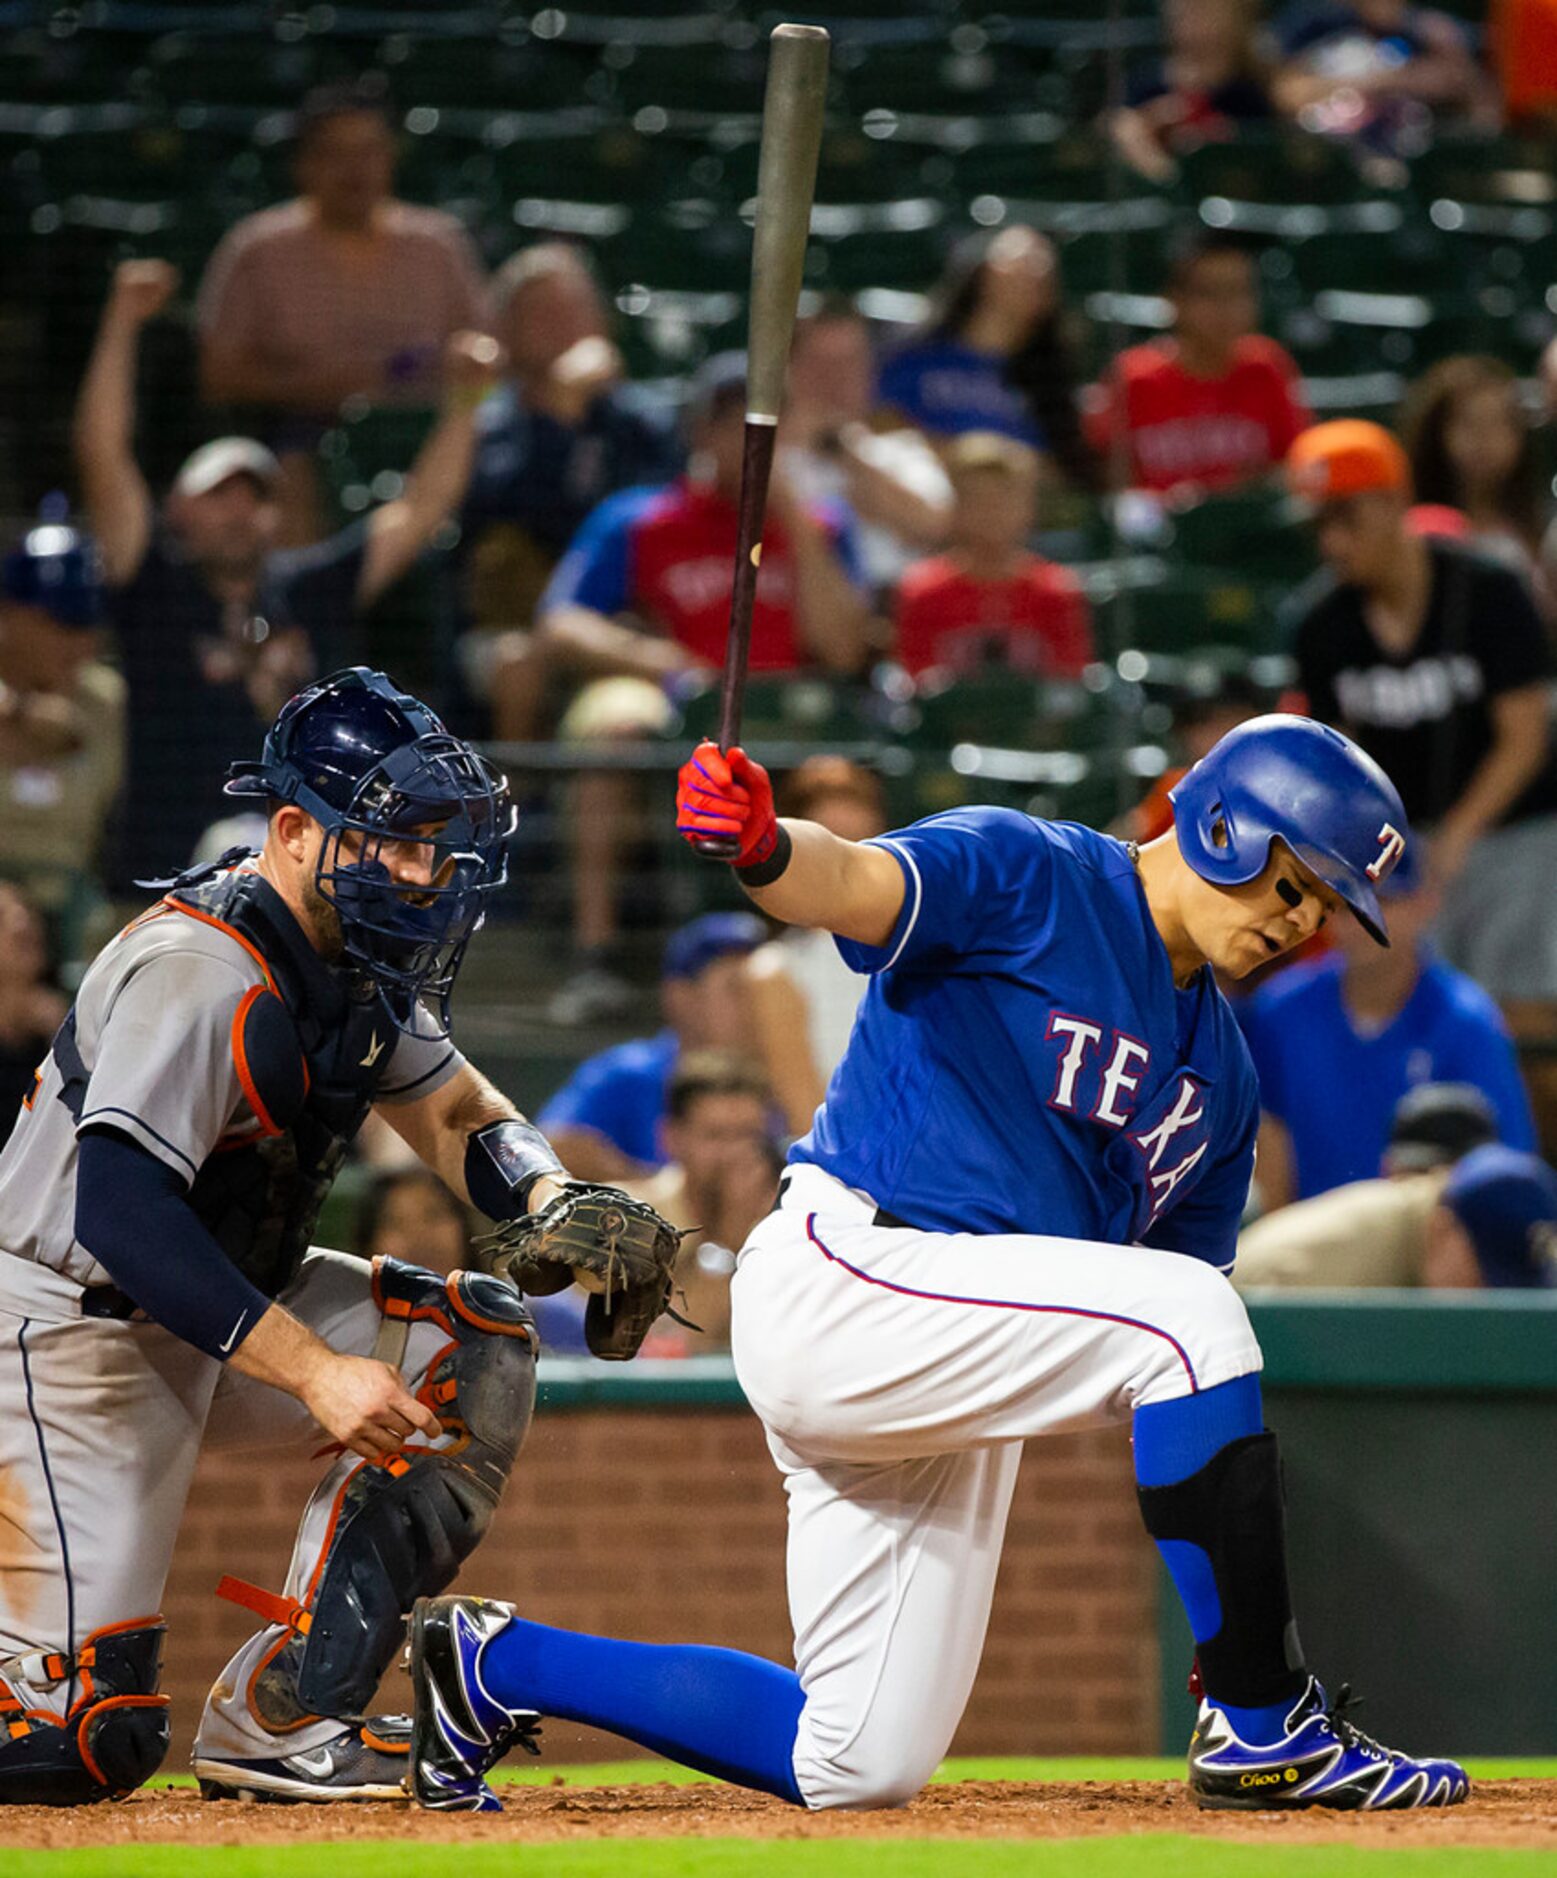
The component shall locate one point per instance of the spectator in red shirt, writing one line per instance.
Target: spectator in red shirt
(641, 600)
(989, 601)
(1215, 404)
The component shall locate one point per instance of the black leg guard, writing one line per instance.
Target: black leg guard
(404, 1528)
(112, 1740)
(1234, 1511)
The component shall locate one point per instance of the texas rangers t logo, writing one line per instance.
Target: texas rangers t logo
(1393, 844)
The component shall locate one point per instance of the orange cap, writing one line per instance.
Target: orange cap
(1348, 457)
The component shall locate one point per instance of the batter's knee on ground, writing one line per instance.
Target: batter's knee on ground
(877, 1768)
(110, 1741)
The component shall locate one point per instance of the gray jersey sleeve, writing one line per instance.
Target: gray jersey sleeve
(163, 1070)
(422, 1062)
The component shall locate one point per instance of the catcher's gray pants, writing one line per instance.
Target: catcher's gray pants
(100, 1425)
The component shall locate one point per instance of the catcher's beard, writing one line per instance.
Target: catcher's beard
(324, 923)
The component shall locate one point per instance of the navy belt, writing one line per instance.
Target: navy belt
(108, 1301)
(881, 1218)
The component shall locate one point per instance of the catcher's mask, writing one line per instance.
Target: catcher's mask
(415, 825)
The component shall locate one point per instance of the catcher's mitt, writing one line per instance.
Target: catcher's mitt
(618, 1248)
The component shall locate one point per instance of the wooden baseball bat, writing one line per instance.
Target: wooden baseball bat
(786, 181)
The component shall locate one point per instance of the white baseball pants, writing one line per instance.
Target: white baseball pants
(897, 1373)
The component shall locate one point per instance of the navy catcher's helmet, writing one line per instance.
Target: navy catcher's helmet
(54, 568)
(374, 766)
(1281, 778)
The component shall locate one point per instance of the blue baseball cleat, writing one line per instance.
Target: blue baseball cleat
(458, 1729)
(1322, 1760)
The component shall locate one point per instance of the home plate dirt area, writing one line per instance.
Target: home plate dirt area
(1500, 1813)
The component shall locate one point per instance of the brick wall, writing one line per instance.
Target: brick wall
(669, 1526)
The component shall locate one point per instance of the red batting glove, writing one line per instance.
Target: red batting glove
(723, 792)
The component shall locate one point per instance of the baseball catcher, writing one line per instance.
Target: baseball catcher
(158, 1285)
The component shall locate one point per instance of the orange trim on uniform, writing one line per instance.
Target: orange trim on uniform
(240, 1060)
(308, 1597)
(232, 932)
(86, 1656)
(37, 1083)
(270, 1605)
(401, 1310)
(99, 1708)
(481, 1322)
(384, 1747)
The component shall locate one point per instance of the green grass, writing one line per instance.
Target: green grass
(1155, 1855)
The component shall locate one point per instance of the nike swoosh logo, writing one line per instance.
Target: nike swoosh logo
(318, 1762)
(232, 1335)
(375, 1051)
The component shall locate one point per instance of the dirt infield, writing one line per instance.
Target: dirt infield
(1504, 1813)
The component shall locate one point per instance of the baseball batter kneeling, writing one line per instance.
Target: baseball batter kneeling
(1013, 1215)
(157, 1286)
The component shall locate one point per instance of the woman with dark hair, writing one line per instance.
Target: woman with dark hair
(1472, 449)
(409, 1214)
(994, 354)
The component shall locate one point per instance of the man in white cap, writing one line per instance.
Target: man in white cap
(216, 627)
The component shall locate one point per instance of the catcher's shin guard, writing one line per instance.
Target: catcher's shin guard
(114, 1735)
(402, 1528)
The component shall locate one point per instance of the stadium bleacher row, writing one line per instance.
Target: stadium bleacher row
(131, 129)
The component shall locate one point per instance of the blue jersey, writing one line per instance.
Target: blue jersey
(1334, 1088)
(620, 1093)
(1023, 1062)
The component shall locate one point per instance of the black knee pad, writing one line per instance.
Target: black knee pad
(404, 1528)
(112, 1740)
(1235, 1511)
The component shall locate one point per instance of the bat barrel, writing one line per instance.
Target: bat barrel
(786, 180)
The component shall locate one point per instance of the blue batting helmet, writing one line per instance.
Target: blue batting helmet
(1288, 779)
(373, 767)
(54, 568)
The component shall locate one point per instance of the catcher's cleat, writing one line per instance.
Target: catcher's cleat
(459, 1729)
(1322, 1760)
(365, 1761)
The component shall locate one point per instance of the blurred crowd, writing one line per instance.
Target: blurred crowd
(573, 534)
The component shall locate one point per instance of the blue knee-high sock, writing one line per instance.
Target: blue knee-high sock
(720, 1711)
(1174, 1440)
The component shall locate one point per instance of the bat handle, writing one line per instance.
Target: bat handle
(756, 470)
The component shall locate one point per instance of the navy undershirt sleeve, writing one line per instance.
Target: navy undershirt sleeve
(133, 1216)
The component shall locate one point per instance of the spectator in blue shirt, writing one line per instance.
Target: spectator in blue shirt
(1338, 1042)
(605, 1120)
(994, 354)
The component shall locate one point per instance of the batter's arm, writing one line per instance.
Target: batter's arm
(796, 871)
(844, 887)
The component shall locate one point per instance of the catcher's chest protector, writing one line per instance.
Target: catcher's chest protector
(315, 1055)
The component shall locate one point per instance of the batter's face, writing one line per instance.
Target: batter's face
(1239, 929)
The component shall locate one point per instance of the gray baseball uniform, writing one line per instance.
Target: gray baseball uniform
(103, 1418)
